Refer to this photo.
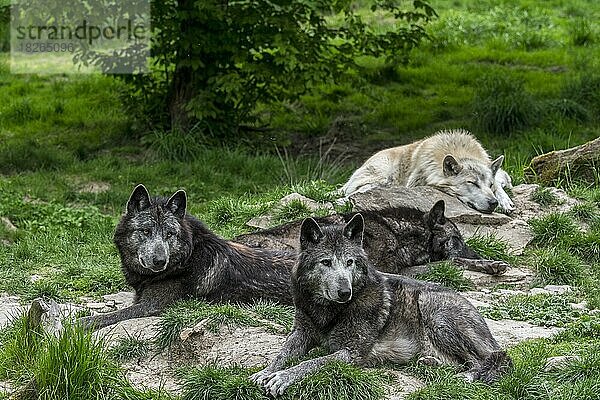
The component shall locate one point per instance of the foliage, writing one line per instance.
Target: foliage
(335, 381)
(539, 309)
(447, 274)
(556, 266)
(491, 247)
(215, 60)
(503, 105)
(187, 313)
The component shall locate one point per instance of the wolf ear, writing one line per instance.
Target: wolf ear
(436, 216)
(451, 166)
(354, 228)
(310, 233)
(139, 200)
(496, 164)
(177, 203)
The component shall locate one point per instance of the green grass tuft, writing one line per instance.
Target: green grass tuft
(503, 105)
(129, 348)
(539, 309)
(447, 274)
(554, 228)
(556, 266)
(188, 313)
(334, 381)
(544, 197)
(491, 247)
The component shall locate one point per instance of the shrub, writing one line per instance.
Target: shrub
(503, 105)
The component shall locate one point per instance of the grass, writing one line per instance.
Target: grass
(539, 309)
(491, 247)
(447, 274)
(72, 365)
(544, 197)
(129, 348)
(335, 381)
(186, 314)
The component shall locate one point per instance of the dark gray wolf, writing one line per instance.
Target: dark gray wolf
(167, 255)
(451, 161)
(366, 317)
(395, 239)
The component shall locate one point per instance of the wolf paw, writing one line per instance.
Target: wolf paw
(497, 267)
(429, 361)
(260, 377)
(277, 383)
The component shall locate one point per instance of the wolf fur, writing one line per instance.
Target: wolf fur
(365, 317)
(395, 239)
(451, 161)
(168, 255)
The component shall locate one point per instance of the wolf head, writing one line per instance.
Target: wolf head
(332, 264)
(471, 181)
(445, 238)
(153, 234)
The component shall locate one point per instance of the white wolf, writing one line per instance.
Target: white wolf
(451, 161)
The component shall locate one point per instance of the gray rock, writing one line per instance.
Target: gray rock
(508, 332)
(120, 299)
(422, 198)
(518, 277)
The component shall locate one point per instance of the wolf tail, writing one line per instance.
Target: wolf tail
(493, 367)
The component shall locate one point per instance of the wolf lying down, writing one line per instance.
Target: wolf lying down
(167, 255)
(366, 317)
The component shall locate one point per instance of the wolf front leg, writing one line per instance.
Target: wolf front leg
(277, 383)
(152, 301)
(297, 344)
(491, 267)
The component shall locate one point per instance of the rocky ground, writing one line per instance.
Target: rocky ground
(255, 346)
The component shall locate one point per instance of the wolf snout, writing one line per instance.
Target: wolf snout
(492, 204)
(159, 262)
(344, 294)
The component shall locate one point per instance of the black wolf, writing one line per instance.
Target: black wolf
(366, 317)
(394, 239)
(167, 255)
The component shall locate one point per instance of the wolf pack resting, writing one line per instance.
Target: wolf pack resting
(346, 281)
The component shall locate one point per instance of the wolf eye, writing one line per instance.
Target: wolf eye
(326, 262)
(169, 235)
(473, 183)
(146, 232)
(349, 262)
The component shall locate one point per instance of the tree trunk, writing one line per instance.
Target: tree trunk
(181, 89)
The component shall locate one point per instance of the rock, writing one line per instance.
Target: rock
(526, 208)
(551, 290)
(402, 385)
(10, 308)
(516, 233)
(580, 162)
(140, 328)
(579, 306)
(518, 277)
(268, 220)
(95, 187)
(422, 198)
(95, 306)
(508, 332)
(559, 362)
(119, 300)
(8, 225)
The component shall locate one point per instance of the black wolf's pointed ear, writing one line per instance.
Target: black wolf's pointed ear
(451, 166)
(139, 200)
(496, 164)
(310, 233)
(355, 228)
(436, 216)
(177, 203)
